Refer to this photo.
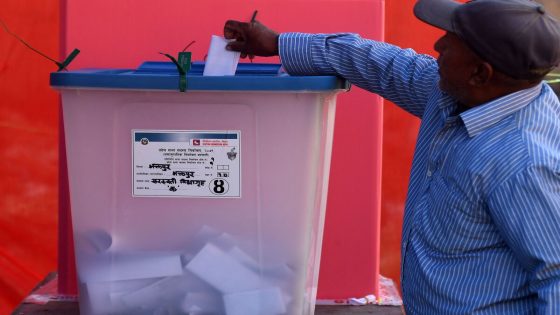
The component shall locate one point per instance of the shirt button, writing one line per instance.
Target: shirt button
(429, 174)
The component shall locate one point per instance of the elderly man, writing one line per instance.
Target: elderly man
(481, 232)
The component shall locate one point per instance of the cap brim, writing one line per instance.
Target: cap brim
(438, 13)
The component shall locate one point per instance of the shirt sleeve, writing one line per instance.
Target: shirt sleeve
(399, 75)
(526, 210)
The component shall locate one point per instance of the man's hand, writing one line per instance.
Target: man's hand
(251, 39)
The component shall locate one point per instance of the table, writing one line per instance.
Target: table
(72, 307)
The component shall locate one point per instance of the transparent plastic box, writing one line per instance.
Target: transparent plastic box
(209, 201)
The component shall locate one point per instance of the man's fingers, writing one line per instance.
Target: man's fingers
(234, 29)
(235, 24)
(237, 46)
(228, 33)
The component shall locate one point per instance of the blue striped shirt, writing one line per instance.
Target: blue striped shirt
(481, 231)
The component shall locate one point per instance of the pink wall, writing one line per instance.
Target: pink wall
(124, 33)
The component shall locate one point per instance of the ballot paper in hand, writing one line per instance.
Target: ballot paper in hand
(220, 61)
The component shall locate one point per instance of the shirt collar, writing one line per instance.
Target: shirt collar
(479, 118)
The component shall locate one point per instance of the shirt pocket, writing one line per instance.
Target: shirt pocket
(454, 222)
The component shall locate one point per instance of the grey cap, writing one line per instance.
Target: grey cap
(517, 37)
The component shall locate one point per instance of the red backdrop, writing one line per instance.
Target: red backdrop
(29, 122)
(28, 150)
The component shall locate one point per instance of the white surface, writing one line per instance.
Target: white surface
(104, 297)
(169, 289)
(202, 302)
(222, 271)
(129, 266)
(220, 61)
(267, 301)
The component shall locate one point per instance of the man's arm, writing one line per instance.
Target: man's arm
(400, 75)
(526, 210)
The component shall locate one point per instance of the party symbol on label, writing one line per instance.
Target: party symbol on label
(232, 154)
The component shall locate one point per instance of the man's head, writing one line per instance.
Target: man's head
(517, 37)
(516, 40)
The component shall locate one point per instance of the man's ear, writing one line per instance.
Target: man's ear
(481, 74)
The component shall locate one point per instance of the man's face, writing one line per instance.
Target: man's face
(457, 63)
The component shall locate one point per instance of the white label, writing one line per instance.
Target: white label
(186, 163)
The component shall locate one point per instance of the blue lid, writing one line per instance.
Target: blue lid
(154, 75)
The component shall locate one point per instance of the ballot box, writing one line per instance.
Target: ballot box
(206, 201)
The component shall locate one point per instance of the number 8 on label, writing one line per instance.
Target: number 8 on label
(219, 186)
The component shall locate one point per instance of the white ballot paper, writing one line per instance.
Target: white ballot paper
(220, 61)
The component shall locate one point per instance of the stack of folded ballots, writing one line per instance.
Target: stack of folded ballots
(215, 276)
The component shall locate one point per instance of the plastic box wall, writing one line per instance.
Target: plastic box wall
(276, 227)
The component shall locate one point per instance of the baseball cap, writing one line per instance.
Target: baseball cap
(517, 37)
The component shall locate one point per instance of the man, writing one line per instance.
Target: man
(481, 232)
